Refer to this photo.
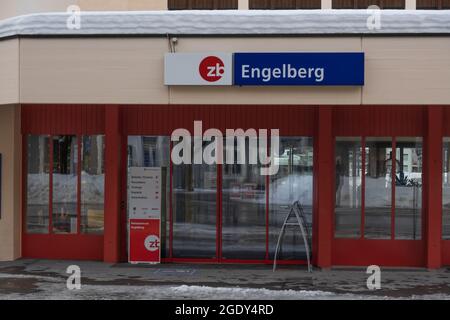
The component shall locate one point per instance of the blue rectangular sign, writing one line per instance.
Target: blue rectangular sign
(299, 69)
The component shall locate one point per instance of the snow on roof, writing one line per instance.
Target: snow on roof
(230, 22)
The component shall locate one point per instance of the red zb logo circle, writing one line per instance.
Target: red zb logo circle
(211, 69)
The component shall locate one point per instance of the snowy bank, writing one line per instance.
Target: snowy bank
(230, 22)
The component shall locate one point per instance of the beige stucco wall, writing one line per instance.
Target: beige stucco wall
(10, 148)
(7, 9)
(243, 4)
(10, 8)
(131, 71)
(407, 70)
(93, 70)
(410, 4)
(326, 4)
(399, 70)
(9, 71)
(35, 6)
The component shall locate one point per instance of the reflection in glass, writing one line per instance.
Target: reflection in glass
(194, 210)
(65, 181)
(38, 182)
(378, 188)
(243, 209)
(92, 184)
(446, 189)
(348, 187)
(293, 182)
(408, 188)
(154, 151)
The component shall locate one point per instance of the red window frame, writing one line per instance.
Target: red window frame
(219, 214)
(154, 120)
(321, 122)
(381, 121)
(58, 120)
(393, 189)
(51, 167)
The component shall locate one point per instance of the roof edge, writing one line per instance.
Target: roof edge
(231, 23)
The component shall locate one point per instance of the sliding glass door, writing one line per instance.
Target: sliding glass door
(229, 212)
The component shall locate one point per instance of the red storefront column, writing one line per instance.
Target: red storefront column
(324, 186)
(112, 184)
(433, 223)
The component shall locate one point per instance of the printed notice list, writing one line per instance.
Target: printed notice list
(144, 193)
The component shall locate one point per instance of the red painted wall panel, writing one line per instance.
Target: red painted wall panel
(379, 120)
(63, 119)
(446, 121)
(70, 247)
(60, 120)
(291, 120)
(445, 245)
(366, 252)
(163, 119)
(112, 230)
(324, 189)
(432, 183)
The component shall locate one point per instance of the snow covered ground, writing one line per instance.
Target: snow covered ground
(107, 292)
(56, 290)
(42, 279)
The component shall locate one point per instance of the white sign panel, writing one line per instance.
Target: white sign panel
(144, 193)
(213, 69)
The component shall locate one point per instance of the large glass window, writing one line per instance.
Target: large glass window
(378, 188)
(76, 183)
(154, 151)
(243, 228)
(384, 169)
(38, 183)
(408, 188)
(194, 209)
(446, 189)
(243, 208)
(293, 182)
(64, 184)
(92, 184)
(348, 187)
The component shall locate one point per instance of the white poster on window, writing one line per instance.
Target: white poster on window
(144, 193)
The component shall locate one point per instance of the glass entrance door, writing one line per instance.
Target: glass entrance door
(228, 212)
(293, 182)
(243, 208)
(194, 211)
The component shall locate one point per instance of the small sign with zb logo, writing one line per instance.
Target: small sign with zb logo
(144, 212)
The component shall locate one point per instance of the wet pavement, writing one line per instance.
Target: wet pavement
(46, 279)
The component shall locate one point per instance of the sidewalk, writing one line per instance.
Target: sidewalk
(45, 279)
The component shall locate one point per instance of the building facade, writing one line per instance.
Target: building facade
(369, 163)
